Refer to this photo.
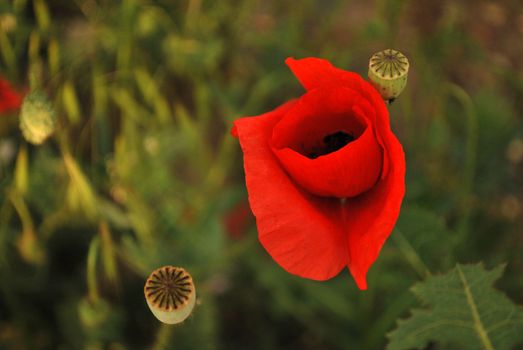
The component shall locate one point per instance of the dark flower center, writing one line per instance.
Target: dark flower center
(331, 143)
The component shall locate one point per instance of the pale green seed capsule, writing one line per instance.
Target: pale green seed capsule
(388, 70)
(37, 118)
(170, 294)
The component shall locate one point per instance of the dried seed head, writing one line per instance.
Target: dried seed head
(388, 70)
(170, 294)
(37, 118)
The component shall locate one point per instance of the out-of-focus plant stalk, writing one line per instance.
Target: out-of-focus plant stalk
(140, 218)
(34, 45)
(92, 258)
(42, 15)
(163, 337)
(108, 254)
(388, 319)
(35, 62)
(53, 55)
(19, 5)
(80, 195)
(21, 171)
(22, 210)
(125, 44)
(6, 212)
(70, 102)
(190, 128)
(471, 145)
(7, 51)
(101, 134)
(152, 95)
(410, 254)
(408, 126)
(132, 111)
(52, 222)
(27, 243)
(218, 171)
(193, 10)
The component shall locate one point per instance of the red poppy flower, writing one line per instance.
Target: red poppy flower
(9, 99)
(325, 174)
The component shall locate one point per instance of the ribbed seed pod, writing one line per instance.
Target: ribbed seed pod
(388, 70)
(170, 294)
(37, 118)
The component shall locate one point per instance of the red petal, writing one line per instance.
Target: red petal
(370, 217)
(315, 72)
(347, 172)
(302, 233)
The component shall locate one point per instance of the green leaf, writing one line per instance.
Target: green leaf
(462, 308)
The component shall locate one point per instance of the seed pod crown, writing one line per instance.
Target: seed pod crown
(170, 294)
(388, 70)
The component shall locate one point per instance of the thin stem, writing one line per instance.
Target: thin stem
(163, 337)
(471, 146)
(7, 51)
(410, 254)
(193, 10)
(92, 257)
(22, 210)
(6, 211)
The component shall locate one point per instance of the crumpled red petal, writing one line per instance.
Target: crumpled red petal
(302, 233)
(347, 172)
(315, 72)
(369, 218)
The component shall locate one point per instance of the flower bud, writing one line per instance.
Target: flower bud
(37, 118)
(170, 294)
(388, 70)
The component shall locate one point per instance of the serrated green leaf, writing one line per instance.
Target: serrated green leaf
(462, 308)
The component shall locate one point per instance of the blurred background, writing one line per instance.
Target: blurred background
(141, 170)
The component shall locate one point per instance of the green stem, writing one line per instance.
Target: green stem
(163, 337)
(410, 254)
(92, 257)
(6, 211)
(42, 14)
(7, 51)
(193, 10)
(22, 210)
(471, 146)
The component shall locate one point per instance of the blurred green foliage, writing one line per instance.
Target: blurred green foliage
(141, 170)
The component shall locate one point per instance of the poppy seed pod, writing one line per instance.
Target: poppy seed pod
(170, 294)
(388, 70)
(37, 118)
